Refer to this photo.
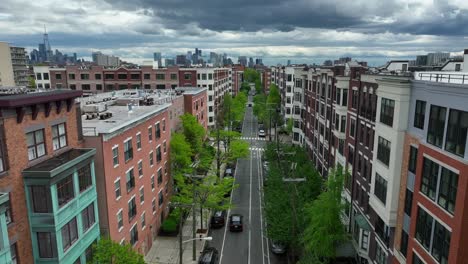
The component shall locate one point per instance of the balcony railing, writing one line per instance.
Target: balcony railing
(457, 78)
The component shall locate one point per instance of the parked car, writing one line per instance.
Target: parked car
(235, 223)
(277, 247)
(266, 165)
(209, 256)
(229, 172)
(218, 219)
(261, 133)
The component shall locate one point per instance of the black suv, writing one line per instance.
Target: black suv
(209, 256)
(218, 219)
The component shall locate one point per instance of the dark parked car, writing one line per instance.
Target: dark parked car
(235, 223)
(209, 256)
(218, 219)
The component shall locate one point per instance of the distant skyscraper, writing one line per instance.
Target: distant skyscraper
(48, 49)
(251, 62)
(181, 60)
(157, 58)
(328, 63)
(258, 61)
(289, 62)
(105, 60)
(242, 60)
(169, 62)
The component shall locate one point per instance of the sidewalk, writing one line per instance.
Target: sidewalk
(165, 250)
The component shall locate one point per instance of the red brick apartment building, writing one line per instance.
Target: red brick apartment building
(131, 134)
(432, 216)
(98, 79)
(34, 129)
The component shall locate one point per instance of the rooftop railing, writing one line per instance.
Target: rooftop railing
(457, 78)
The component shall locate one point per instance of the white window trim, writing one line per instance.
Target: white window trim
(152, 189)
(154, 200)
(118, 212)
(139, 194)
(144, 227)
(165, 150)
(114, 147)
(434, 216)
(419, 256)
(127, 139)
(131, 168)
(441, 163)
(165, 162)
(120, 188)
(152, 155)
(160, 191)
(164, 119)
(140, 161)
(136, 136)
(122, 241)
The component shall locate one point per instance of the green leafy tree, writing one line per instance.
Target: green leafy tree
(238, 149)
(193, 131)
(245, 88)
(325, 231)
(110, 252)
(181, 153)
(31, 82)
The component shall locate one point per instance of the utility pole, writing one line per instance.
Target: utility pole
(194, 245)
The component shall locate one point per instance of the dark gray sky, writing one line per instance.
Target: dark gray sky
(301, 30)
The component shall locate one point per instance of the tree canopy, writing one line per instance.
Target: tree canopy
(193, 131)
(110, 252)
(325, 231)
(181, 153)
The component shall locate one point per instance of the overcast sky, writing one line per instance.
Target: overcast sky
(304, 31)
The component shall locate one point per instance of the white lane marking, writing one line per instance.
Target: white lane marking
(260, 201)
(262, 176)
(229, 212)
(250, 209)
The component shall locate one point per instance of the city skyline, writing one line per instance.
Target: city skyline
(305, 32)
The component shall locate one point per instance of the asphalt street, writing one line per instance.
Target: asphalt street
(250, 246)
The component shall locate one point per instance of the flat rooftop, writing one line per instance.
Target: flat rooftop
(190, 90)
(125, 107)
(443, 77)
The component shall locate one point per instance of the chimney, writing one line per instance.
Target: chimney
(465, 60)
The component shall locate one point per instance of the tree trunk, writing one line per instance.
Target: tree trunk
(201, 217)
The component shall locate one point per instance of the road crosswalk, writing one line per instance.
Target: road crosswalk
(256, 148)
(254, 138)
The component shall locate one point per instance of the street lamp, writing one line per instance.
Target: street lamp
(201, 238)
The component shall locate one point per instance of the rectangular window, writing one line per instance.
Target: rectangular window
(355, 99)
(84, 177)
(164, 123)
(120, 219)
(41, 199)
(173, 76)
(164, 147)
(386, 111)
(122, 76)
(383, 151)
(345, 97)
(135, 76)
(87, 217)
(138, 141)
(404, 243)
(143, 220)
(160, 76)
(47, 245)
(456, 132)
(69, 234)
(419, 114)
(134, 235)
(343, 124)
(71, 76)
(97, 76)
(435, 130)
(352, 128)
(58, 76)
(380, 256)
(187, 76)
(152, 182)
(413, 159)
(150, 133)
(429, 230)
(140, 168)
(158, 154)
(109, 76)
(84, 76)
(408, 202)
(117, 189)
(130, 180)
(65, 191)
(160, 177)
(448, 190)
(380, 189)
(158, 131)
(115, 156)
(151, 162)
(98, 86)
(382, 230)
(142, 195)
(14, 254)
(161, 198)
(128, 150)
(430, 174)
(36, 144)
(59, 136)
(132, 210)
